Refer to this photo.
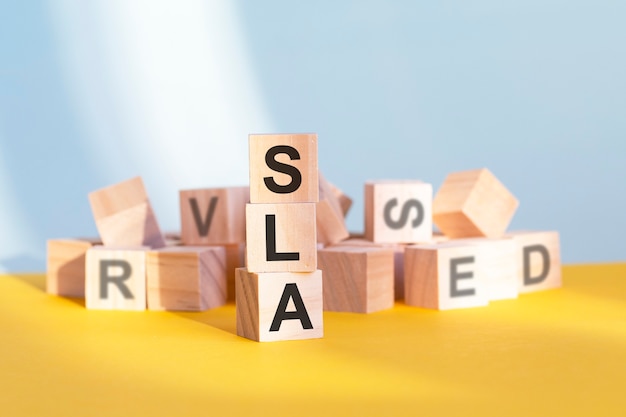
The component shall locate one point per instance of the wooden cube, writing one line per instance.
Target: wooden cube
(473, 204)
(279, 305)
(115, 278)
(444, 276)
(124, 215)
(538, 260)
(281, 237)
(500, 266)
(345, 202)
(66, 266)
(186, 278)
(398, 211)
(398, 259)
(213, 216)
(357, 279)
(283, 168)
(235, 258)
(330, 220)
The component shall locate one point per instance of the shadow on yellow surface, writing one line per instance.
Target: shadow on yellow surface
(559, 352)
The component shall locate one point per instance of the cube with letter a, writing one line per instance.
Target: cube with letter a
(398, 211)
(279, 305)
(115, 278)
(444, 276)
(283, 168)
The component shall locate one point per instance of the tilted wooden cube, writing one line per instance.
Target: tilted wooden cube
(357, 279)
(186, 278)
(115, 278)
(345, 201)
(473, 204)
(330, 220)
(281, 237)
(213, 216)
(538, 260)
(444, 276)
(398, 211)
(124, 215)
(279, 305)
(66, 266)
(283, 168)
(235, 258)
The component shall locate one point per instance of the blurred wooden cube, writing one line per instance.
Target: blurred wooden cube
(500, 266)
(444, 276)
(115, 278)
(345, 201)
(66, 266)
(398, 211)
(235, 258)
(358, 279)
(124, 215)
(281, 237)
(283, 168)
(330, 220)
(473, 204)
(279, 305)
(213, 216)
(186, 278)
(538, 260)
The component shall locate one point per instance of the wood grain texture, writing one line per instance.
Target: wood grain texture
(295, 232)
(330, 220)
(345, 201)
(186, 278)
(235, 258)
(258, 298)
(538, 260)
(66, 266)
(398, 211)
(118, 288)
(124, 215)
(473, 204)
(444, 276)
(306, 164)
(398, 259)
(213, 216)
(358, 279)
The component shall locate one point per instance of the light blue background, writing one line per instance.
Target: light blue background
(91, 94)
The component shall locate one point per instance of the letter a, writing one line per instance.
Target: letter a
(291, 292)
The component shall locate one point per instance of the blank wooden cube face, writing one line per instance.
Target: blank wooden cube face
(357, 279)
(124, 216)
(115, 278)
(281, 237)
(213, 216)
(538, 260)
(66, 267)
(279, 305)
(235, 258)
(283, 168)
(186, 278)
(398, 211)
(473, 204)
(444, 276)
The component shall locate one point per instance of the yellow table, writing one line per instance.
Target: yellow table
(555, 353)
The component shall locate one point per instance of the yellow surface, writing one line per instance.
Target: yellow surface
(555, 353)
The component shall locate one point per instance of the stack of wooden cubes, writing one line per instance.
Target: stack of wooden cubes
(279, 293)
